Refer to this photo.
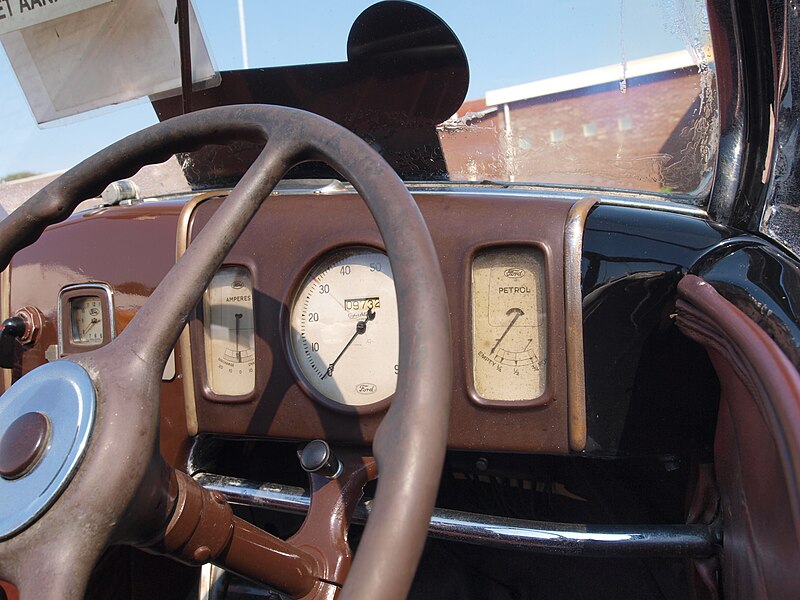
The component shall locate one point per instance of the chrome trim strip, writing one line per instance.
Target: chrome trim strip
(640, 199)
(573, 312)
(674, 541)
(606, 197)
(104, 287)
(685, 209)
(628, 198)
(631, 199)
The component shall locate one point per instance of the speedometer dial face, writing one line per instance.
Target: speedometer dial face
(344, 332)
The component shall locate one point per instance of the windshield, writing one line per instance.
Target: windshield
(589, 93)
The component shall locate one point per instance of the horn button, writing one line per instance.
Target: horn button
(23, 444)
(46, 419)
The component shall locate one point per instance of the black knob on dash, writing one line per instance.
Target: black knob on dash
(317, 457)
(10, 331)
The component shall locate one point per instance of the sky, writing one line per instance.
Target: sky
(507, 43)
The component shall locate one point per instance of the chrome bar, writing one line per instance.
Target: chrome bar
(673, 541)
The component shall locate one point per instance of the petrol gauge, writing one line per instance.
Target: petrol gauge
(344, 329)
(508, 324)
(229, 332)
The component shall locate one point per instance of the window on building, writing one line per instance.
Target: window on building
(625, 123)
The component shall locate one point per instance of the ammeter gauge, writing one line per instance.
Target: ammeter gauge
(229, 332)
(344, 329)
(509, 337)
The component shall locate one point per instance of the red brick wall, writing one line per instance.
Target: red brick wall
(666, 146)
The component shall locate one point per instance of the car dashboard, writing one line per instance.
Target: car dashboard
(275, 351)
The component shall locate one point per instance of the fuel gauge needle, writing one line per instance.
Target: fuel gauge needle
(517, 312)
(361, 327)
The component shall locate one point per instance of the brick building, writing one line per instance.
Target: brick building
(650, 128)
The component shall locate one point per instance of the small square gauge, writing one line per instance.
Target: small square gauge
(86, 320)
(85, 315)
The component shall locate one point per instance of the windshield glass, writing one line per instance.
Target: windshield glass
(590, 93)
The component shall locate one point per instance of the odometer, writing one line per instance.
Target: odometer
(343, 328)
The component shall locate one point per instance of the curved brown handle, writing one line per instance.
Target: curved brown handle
(756, 444)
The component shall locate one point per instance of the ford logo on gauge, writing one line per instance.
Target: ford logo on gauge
(366, 388)
(514, 272)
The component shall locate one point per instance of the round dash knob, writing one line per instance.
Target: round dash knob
(317, 457)
(23, 444)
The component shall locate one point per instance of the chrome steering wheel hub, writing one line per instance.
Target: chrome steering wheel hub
(49, 413)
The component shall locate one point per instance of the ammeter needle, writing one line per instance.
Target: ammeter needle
(238, 317)
(519, 312)
(361, 327)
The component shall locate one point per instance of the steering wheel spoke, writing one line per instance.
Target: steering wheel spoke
(333, 503)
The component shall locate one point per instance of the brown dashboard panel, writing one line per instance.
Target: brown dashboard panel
(129, 249)
(291, 233)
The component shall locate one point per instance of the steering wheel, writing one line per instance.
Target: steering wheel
(108, 483)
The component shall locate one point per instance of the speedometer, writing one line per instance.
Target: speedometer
(343, 328)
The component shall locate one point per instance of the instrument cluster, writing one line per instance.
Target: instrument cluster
(343, 334)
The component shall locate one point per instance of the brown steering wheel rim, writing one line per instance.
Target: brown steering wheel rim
(122, 456)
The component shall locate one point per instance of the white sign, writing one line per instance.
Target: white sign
(112, 53)
(18, 14)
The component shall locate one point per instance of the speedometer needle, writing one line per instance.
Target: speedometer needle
(361, 327)
(518, 312)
